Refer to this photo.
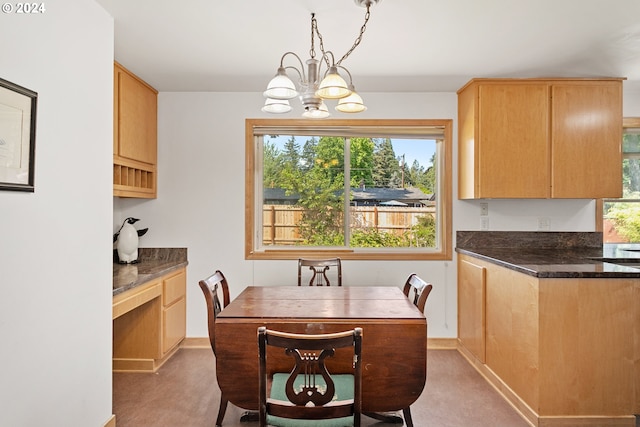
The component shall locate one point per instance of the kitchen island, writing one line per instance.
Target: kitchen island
(552, 320)
(149, 309)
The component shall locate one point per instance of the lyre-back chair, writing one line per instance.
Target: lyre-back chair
(308, 395)
(210, 287)
(319, 269)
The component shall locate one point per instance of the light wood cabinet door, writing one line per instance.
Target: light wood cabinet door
(586, 140)
(174, 324)
(137, 119)
(134, 136)
(540, 138)
(471, 306)
(513, 141)
(174, 310)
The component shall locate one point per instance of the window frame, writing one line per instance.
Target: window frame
(444, 252)
(627, 122)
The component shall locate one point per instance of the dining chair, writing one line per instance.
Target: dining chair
(308, 395)
(210, 287)
(417, 290)
(319, 269)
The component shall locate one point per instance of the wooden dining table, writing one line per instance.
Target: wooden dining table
(394, 342)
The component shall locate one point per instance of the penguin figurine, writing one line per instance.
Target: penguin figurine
(127, 241)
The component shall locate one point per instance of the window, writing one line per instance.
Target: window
(357, 189)
(621, 217)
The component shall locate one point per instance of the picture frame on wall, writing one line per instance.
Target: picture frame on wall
(18, 107)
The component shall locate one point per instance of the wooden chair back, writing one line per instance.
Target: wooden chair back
(309, 391)
(319, 269)
(210, 287)
(417, 290)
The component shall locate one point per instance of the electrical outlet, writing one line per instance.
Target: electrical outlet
(484, 223)
(484, 209)
(544, 223)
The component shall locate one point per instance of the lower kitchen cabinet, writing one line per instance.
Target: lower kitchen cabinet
(563, 351)
(174, 310)
(471, 303)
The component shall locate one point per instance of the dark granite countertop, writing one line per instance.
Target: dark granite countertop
(552, 255)
(154, 263)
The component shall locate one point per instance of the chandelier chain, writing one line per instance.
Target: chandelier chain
(314, 26)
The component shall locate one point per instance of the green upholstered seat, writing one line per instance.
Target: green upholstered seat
(344, 391)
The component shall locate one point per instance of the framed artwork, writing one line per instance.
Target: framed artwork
(17, 137)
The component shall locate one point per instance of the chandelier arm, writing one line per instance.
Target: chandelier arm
(302, 74)
(328, 59)
(348, 73)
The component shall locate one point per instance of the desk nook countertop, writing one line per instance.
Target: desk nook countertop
(153, 263)
(551, 254)
(149, 309)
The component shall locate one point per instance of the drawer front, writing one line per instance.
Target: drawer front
(174, 324)
(175, 287)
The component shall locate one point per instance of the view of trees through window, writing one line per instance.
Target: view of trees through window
(621, 217)
(391, 186)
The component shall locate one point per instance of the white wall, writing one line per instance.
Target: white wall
(201, 200)
(55, 265)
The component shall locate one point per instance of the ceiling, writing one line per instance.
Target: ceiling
(408, 46)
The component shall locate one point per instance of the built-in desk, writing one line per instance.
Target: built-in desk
(149, 309)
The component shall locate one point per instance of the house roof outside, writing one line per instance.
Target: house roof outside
(362, 196)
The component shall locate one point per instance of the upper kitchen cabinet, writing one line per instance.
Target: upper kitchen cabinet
(135, 131)
(540, 138)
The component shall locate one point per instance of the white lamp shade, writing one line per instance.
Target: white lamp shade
(281, 87)
(321, 112)
(333, 86)
(276, 106)
(351, 104)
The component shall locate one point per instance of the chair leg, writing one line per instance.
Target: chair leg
(407, 417)
(386, 417)
(222, 410)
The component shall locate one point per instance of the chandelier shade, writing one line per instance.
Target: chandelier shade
(333, 86)
(352, 103)
(320, 112)
(308, 87)
(276, 106)
(281, 86)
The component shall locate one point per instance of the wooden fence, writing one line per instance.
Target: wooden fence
(280, 222)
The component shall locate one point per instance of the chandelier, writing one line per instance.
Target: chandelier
(311, 90)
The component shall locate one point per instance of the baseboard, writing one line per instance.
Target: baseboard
(531, 416)
(142, 365)
(504, 390)
(588, 421)
(442, 343)
(111, 422)
(196, 342)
